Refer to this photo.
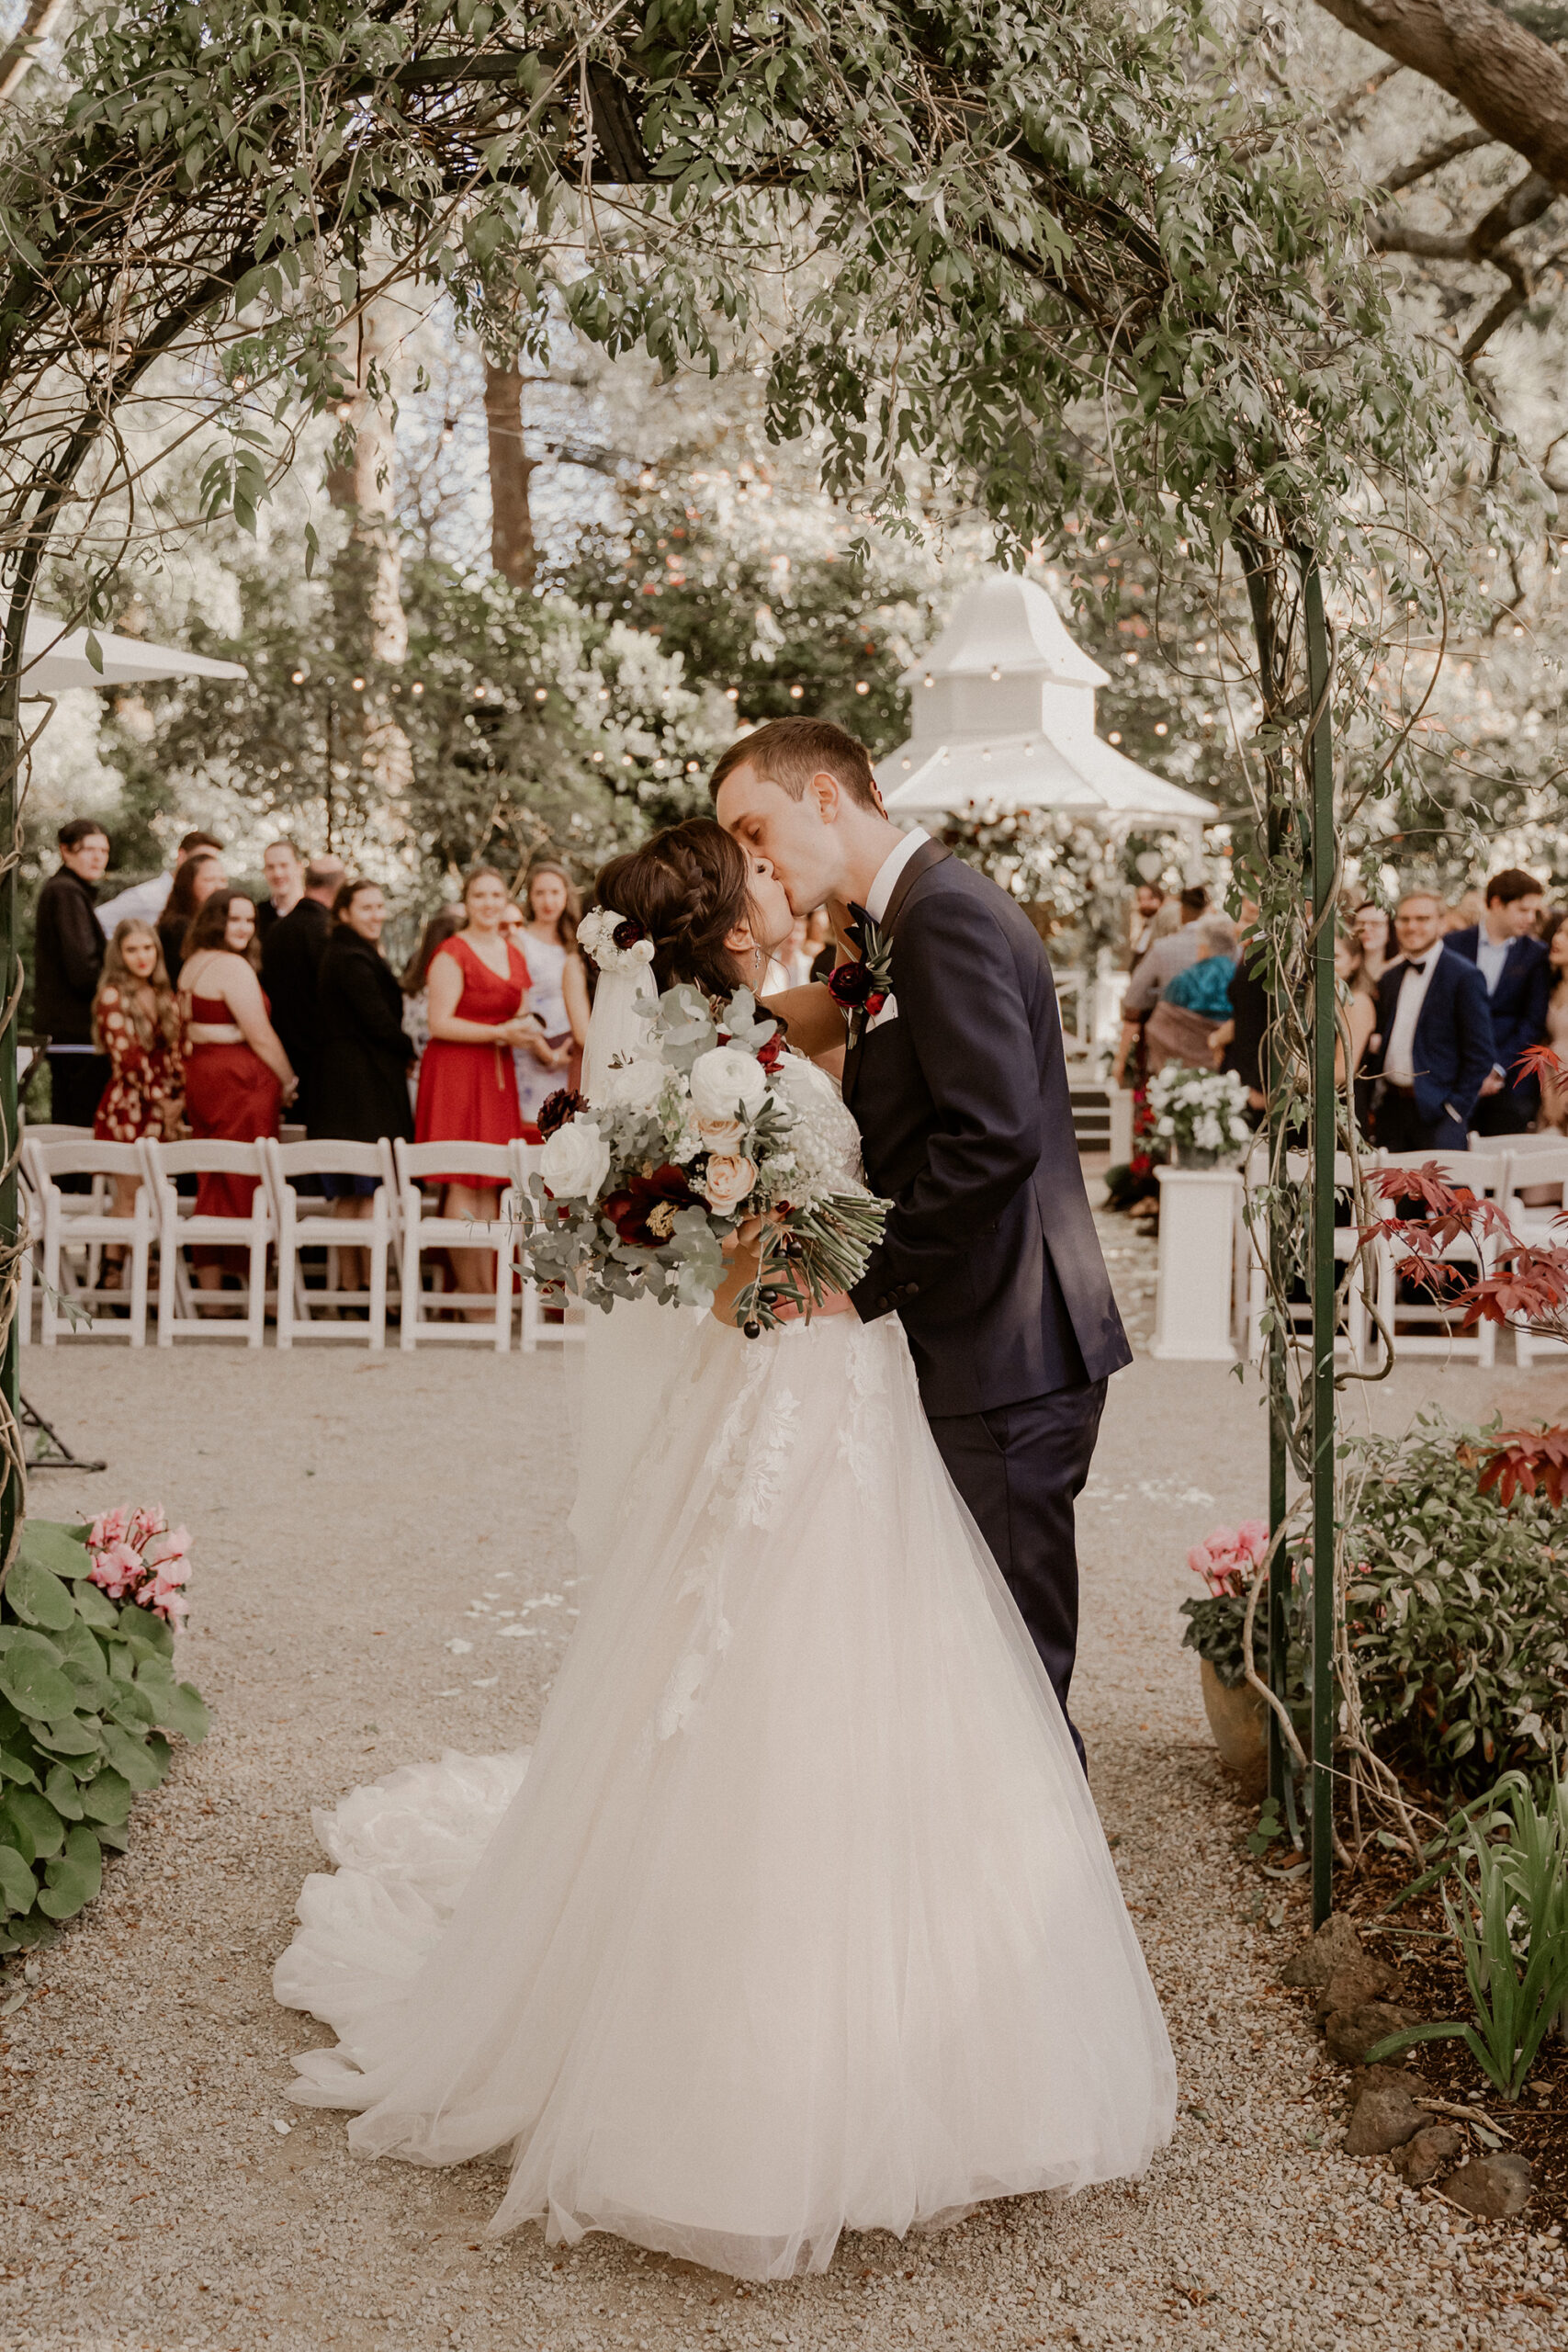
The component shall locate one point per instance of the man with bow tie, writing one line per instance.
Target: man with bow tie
(1435, 1032)
(956, 1076)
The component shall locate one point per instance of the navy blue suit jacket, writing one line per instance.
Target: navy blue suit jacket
(1453, 1043)
(990, 1256)
(1517, 1004)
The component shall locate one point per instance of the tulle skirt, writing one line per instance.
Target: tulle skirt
(801, 1918)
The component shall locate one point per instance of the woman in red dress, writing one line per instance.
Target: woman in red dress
(467, 1088)
(237, 1074)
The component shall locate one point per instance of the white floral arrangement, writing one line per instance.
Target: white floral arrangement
(613, 940)
(692, 1137)
(1201, 1110)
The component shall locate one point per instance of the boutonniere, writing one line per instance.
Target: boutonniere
(864, 988)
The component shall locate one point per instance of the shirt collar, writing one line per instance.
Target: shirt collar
(889, 870)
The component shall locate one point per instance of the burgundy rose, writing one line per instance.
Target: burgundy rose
(644, 1213)
(772, 1053)
(856, 987)
(557, 1109)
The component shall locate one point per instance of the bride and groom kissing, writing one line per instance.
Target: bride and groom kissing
(797, 1916)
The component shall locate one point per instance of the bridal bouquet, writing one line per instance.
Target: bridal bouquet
(695, 1134)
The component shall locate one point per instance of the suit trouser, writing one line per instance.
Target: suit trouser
(1020, 1468)
(1502, 1115)
(1400, 1127)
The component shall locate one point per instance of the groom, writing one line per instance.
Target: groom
(958, 1084)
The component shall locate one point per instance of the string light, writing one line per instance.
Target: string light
(861, 687)
(795, 692)
(541, 694)
(298, 677)
(1113, 737)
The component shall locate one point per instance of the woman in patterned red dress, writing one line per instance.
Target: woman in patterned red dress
(467, 1088)
(136, 1021)
(237, 1075)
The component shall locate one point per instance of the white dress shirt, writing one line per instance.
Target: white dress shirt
(1491, 954)
(889, 870)
(1399, 1055)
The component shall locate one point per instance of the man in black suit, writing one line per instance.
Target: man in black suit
(958, 1083)
(1435, 1036)
(291, 959)
(68, 955)
(1516, 970)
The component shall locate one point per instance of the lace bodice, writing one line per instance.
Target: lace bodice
(826, 1130)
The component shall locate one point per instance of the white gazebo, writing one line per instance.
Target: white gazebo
(1003, 717)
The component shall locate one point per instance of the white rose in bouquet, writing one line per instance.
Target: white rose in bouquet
(724, 1080)
(575, 1162)
(634, 1086)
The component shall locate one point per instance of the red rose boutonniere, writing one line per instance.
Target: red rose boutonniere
(864, 988)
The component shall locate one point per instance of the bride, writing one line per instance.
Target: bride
(800, 1918)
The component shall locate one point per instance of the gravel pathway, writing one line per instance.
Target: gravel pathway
(382, 1570)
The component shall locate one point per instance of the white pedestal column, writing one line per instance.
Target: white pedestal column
(1197, 1211)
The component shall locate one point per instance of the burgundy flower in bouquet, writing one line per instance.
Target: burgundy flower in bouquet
(644, 1213)
(557, 1108)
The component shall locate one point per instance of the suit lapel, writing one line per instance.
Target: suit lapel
(930, 854)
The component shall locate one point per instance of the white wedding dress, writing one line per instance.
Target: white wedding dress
(799, 1919)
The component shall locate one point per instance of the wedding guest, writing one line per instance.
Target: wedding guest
(1554, 1086)
(1372, 927)
(237, 1074)
(558, 998)
(146, 901)
(467, 1088)
(1203, 986)
(1359, 1000)
(1148, 897)
(68, 955)
(362, 1089)
(415, 984)
(1435, 1036)
(196, 880)
(136, 1026)
(1513, 962)
(290, 961)
(1467, 910)
(283, 870)
(1160, 963)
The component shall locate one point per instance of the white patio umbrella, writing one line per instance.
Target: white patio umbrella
(57, 659)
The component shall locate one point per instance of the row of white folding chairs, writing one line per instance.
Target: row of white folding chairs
(401, 1231)
(1526, 1163)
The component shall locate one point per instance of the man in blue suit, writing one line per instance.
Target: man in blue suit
(1516, 970)
(1434, 1032)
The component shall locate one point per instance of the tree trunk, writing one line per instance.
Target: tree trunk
(510, 469)
(1514, 84)
(363, 488)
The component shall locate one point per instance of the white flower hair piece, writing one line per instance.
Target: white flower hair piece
(596, 937)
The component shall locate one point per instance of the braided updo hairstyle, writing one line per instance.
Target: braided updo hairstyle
(688, 887)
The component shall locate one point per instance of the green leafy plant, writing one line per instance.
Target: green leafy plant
(1457, 1606)
(87, 1694)
(1510, 1923)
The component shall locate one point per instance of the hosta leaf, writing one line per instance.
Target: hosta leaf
(30, 1823)
(63, 1793)
(138, 1759)
(31, 1675)
(107, 1798)
(74, 1878)
(53, 1544)
(19, 1887)
(177, 1706)
(39, 1597)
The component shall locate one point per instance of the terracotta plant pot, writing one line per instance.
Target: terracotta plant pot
(1239, 1721)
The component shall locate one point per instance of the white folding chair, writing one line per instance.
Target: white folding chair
(488, 1165)
(1353, 1335)
(72, 1222)
(574, 1325)
(52, 1131)
(30, 1231)
(180, 1228)
(305, 1227)
(1433, 1330)
(1536, 1163)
